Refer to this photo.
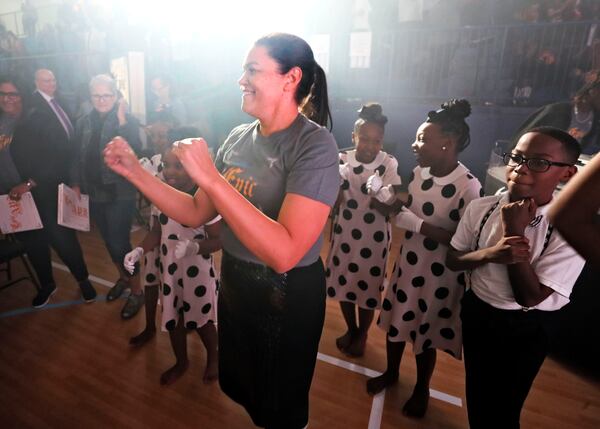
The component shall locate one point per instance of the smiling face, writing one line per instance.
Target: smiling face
(429, 145)
(174, 173)
(524, 183)
(263, 86)
(10, 99)
(368, 140)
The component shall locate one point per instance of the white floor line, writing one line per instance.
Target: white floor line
(91, 277)
(376, 411)
(378, 400)
(348, 365)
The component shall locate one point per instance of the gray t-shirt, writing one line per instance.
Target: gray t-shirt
(302, 159)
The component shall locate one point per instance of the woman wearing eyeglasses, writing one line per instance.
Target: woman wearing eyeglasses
(112, 198)
(11, 108)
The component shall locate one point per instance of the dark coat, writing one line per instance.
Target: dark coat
(42, 150)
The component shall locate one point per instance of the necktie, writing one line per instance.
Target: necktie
(63, 118)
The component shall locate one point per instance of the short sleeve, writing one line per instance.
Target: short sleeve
(559, 266)
(233, 136)
(315, 172)
(462, 240)
(391, 176)
(472, 192)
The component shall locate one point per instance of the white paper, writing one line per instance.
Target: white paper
(360, 50)
(73, 212)
(17, 216)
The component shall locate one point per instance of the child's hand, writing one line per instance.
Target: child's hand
(516, 216)
(408, 220)
(374, 184)
(509, 250)
(132, 258)
(185, 248)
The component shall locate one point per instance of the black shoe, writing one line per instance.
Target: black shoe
(132, 306)
(43, 296)
(117, 290)
(88, 293)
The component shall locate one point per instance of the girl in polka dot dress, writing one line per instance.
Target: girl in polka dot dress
(149, 270)
(187, 275)
(422, 300)
(361, 233)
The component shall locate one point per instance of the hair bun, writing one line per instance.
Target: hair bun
(372, 112)
(459, 109)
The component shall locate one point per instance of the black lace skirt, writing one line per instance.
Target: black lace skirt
(269, 329)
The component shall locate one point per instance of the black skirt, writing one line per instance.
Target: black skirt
(270, 325)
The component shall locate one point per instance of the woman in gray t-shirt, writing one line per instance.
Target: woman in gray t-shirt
(273, 182)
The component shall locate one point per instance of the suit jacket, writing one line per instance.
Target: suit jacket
(42, 150)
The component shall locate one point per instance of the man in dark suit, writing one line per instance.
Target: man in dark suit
(44, 154)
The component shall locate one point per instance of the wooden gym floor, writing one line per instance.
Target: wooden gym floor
(69, 365)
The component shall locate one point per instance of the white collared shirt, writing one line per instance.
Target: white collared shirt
(556, 267)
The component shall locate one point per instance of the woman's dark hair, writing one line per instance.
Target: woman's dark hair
(21, 90)
(180, 133)
(451, 118)
(311, 95)
(372, 113)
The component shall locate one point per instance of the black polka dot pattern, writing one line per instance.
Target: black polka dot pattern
(359, 248)
(356, 234)
(369, 218)
(430, 244)
(427, 209)
(427, 184)
(423, 293)
(412, 258)
(448, 191)
(437, 269)
(418, 281)
(188, 288)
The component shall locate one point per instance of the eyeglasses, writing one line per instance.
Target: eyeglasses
(102, 97)
(539, 165)
(10, 94)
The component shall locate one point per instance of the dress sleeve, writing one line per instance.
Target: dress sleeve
(391, 176)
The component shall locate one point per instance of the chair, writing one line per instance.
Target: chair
(9, 250)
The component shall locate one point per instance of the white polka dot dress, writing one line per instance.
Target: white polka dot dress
(422, 300)
(189, 285)
(361, 236)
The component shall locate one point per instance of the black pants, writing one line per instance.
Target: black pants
(269, 330)
(504, 350)
(63, 240)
